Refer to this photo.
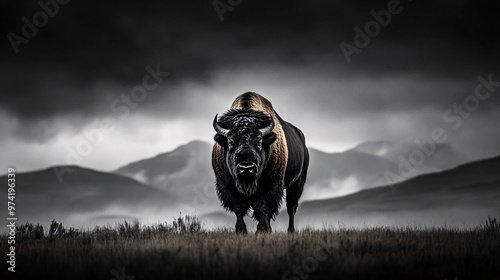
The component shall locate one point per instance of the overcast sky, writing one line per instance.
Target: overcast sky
(73, 76)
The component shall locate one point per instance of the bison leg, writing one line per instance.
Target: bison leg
(293, 194)
(261, 213)
(267, 207)
(240, 210)
(291, 210)
(240, 227)
(264, 224)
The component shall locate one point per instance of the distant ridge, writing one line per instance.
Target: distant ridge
(83, 195)
(468, 193)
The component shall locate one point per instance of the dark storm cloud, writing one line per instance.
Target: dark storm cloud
(91, 50)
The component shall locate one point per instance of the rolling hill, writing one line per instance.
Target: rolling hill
(442, 156)
(87, 197)
(465, 195)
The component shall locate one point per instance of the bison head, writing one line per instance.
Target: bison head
(245, 136)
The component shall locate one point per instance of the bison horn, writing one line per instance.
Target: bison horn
(266, 130)
(222, 131)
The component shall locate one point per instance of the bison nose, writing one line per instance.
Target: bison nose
(246, 168)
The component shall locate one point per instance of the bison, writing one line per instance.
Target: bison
(255, 157)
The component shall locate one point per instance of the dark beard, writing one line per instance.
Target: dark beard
(247, 187)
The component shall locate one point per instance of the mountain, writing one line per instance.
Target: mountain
(465, 195)
(87, 197)
(336, 174)
(437, 156)
(161, 171)
(187, 171)
(378, 148)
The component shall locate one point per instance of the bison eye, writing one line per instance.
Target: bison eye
(259, 145)
(230, 144)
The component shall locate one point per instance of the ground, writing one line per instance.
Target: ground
(184, 250)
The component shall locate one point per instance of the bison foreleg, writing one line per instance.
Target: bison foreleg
(240, 227)
(240, 209)
(267, 207)
(264, 224)
(261, 214)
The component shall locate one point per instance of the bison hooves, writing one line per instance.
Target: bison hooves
(291, 230)
(241, 228)
(263, 228)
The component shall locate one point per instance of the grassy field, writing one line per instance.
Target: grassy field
(183, 250)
